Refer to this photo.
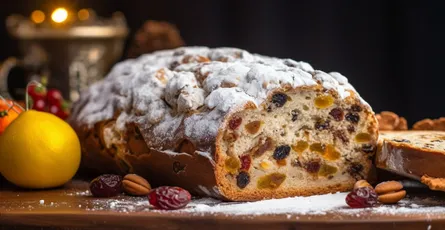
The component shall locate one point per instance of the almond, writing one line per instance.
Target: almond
(135, 185)
(361, 183)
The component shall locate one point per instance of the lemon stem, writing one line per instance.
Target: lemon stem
(33, 82)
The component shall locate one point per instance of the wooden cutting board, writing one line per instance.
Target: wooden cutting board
(71, 207)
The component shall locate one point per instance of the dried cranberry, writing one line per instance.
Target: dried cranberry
(169, 198)
(337, 114)
(313, 166)
(322, 125)
(295, 114)
(106, 185)
(362, 197)
(243, 179)
(356, 108)
(279, 99)
(352, 117)
(235, 122)
(281, 152)
(245, 162)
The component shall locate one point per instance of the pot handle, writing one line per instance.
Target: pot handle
(5, 68)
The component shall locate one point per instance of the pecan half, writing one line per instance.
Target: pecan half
(429, 124)
(135, 185)
(390, 121)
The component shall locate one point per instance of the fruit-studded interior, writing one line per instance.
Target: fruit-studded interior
(298, 139)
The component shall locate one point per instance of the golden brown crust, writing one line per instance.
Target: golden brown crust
(433, 183)
(390, 121)
(429, 124)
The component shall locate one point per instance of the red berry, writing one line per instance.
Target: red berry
(235, 122)
(37, 92)
(169, 198)
(362, 198)
(107, 185)
(39, 105)
(245, 162)
(54, 97)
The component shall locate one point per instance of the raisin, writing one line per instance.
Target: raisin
(337, 114)
(368, 148)
(322, 124)
(281, 152)
(355, 170)
(246, 160)
(300, 146)
(341, 135)
(294, 114)
(106, 185)
(169, 198)
(264, 146)
(351, 129)
(271, 181)
(253, 127)
(356, 108)
(312, 166)
(363, 137)
(235, 122)
(243, 179)
(318, 147)
(352, 117)
(279, 99)
(232, 165)
(323, 101)
(177, 167)
(362, 197)
(326, 170)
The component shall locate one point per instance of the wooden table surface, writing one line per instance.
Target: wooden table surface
(71, 207)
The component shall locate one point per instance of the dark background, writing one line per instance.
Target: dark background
(391, 51)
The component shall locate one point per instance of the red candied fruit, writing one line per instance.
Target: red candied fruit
(362, 198)
(169, 198)
(245, 162)
(235, 122)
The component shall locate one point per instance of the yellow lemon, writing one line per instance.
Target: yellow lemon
(39, 150)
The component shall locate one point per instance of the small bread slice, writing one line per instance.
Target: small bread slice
(414, 154)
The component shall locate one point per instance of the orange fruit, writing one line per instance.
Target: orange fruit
(8, 112)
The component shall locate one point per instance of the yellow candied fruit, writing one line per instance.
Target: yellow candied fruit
(324, 101)
(253, 127)
(300, 146)
(318, 147)
(266, 164)
(331, 153)
(326, 170)
(363, 137)
(232, 165)
(271, 181)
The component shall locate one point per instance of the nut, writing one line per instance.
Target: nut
(361, 183)
(428, 124)
(136, 185)
(391, 121)
(390, 192)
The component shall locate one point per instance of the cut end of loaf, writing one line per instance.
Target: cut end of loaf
(304, 141)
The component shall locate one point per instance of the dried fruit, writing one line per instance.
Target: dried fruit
(243, 179)
(318, 147)
(337, 114)
(135, 185)
(323, 101)
(235, 122)
(106, 185)
(253, 127)
(312, 166)
(363, 137)
(352, 117)
(331, 153)
(294, 113)
(264, 145)
(279, 99)
(282, 162)
(245, 162)
(232, 164)
(265, 164)
(169, 198)
(281, 152)
(322, 124)
(300, 146)
(271, 181)
(340, 134)
(362, 198)
(356, 108)
(326, 170)
(351, 129)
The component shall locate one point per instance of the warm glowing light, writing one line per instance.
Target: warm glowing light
(83, 14)
(37, 16)
(59, 15)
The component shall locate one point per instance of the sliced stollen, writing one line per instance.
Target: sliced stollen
(419, 155)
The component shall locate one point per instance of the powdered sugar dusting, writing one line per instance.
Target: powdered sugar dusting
(192, 88)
